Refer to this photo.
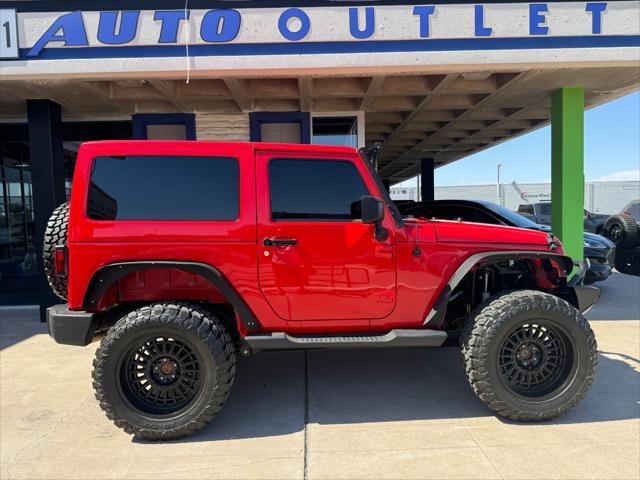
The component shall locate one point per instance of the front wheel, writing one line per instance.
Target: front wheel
(529, 355)
(164, 370)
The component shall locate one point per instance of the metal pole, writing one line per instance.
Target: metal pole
(498, 185)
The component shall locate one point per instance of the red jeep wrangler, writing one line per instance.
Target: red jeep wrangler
(188, 253)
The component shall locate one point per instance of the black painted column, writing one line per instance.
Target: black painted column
(47, 177)
(427, 185)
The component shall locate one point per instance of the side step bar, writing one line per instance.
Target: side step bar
(394, 338)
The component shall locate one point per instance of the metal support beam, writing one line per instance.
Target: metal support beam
(47, 177)
(567, 169)
(427, 183)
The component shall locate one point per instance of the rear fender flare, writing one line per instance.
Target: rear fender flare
(109, 274)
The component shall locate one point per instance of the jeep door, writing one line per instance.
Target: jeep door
(316, 259)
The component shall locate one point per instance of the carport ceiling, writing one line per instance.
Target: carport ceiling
(441, 116)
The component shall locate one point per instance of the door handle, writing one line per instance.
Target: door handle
(279, 242)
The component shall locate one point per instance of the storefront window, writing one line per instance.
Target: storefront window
(337, 130)
(17, 248)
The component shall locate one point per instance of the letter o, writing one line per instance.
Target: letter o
(220, 25)
(284, 29)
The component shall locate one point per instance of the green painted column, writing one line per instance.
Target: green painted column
(567, 169)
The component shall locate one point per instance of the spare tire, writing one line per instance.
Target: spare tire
(54, 235)
(621, 230)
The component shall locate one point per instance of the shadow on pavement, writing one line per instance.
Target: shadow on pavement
(619, 299)
(18, 324)
(371, 386)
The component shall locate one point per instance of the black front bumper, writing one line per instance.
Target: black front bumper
(71, 327)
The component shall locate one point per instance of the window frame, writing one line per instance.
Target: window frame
(140, 122)
(316, 159)
(359, 114)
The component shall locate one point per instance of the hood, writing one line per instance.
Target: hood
(590, 239)
(466, 232)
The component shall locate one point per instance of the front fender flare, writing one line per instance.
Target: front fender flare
(435, 317)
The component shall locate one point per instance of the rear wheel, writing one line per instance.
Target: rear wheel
(621, 230)
(164, 371)
(529, 355)
(54, 235)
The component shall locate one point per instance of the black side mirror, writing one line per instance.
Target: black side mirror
(373, 213)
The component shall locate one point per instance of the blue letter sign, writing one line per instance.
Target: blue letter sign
(596, 10)
(73, 33)
(424, 13)
(220, 25)
(481, 30)
(370, 23)
(127, 31)
(170, 22)
(284, 28)
(536, 18)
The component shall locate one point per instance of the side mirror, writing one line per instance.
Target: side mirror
(373, 213)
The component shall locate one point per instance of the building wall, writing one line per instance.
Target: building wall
(600, 197)
(222, 127)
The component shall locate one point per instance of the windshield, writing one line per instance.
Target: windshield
(513, 217)
(545, 208)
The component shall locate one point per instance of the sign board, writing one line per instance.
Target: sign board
(381, 35)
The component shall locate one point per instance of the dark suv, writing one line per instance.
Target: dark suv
(541, 213)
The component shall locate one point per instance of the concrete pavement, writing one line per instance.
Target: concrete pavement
(400, 413)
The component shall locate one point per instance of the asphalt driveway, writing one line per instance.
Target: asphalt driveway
(400, 413)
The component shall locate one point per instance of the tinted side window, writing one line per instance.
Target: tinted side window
(315, 190)
(164, 188)
(483, 217)
(422, 211)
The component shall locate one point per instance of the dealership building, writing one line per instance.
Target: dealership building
(434, 82)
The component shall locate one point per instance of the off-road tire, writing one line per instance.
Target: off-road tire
(628, 261)
(622, 230)
(490, 324)
(54, 235)
(202, 331)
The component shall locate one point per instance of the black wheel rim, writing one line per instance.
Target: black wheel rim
(615, 232)
(535, 359)
(160, 375)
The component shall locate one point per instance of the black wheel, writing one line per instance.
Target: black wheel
(529, 355)
(621, 230)
(54, 235)
(628, 261)
(164, 371)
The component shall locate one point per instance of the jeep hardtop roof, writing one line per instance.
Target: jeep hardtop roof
(256, 146)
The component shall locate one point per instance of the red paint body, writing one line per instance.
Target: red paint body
(338, 278)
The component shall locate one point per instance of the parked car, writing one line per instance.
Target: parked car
(624, 230)
(599, 252)
(207, 250)
(541, 213)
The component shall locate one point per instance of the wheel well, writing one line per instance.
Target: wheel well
(148, 281)
(489, 277)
